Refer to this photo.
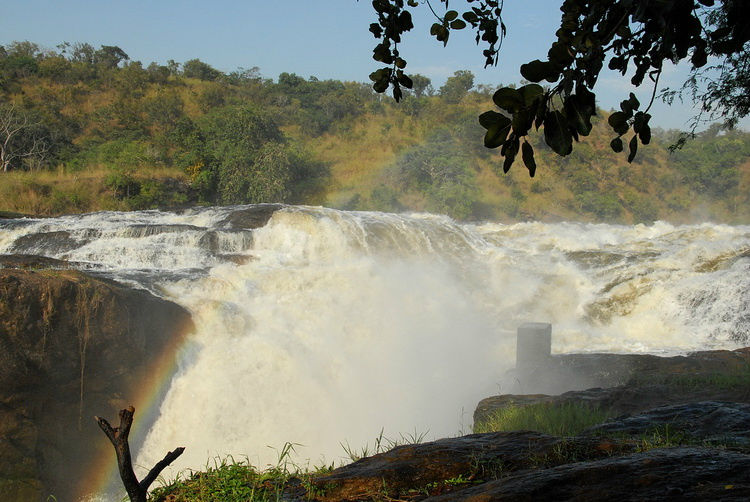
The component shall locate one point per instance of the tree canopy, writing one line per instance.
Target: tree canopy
(633, 37)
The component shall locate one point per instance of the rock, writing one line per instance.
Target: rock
(711, 421)
(421, 468)
(250, 217)
(566, 372)
(635, 382)
(237, 259)
(59, 241)
(31, 262)
(697, 474)
(6, 215)
(71, 346)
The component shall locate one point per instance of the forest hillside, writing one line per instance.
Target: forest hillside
(85, 129)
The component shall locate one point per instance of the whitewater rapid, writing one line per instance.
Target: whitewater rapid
(325, 327)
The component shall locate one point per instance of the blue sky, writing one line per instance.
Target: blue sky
(324, 38)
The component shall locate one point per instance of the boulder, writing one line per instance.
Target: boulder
(631, 383)
(452, 463)
(688, 473)
(250, 217)
(71, 346)
(707, 421)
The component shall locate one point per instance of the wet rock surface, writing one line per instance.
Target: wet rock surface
(618, 460)
(680, 430)
(414, 471)
(710, 421)
(251, 217)
(630, 383)
(697, 474)
(71, 346)
(31, 262)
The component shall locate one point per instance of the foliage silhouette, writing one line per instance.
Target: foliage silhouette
(637, 36)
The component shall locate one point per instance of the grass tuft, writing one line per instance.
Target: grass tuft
(558, 419)
(229, 480)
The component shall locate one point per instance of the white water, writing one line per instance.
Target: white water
(342, 323)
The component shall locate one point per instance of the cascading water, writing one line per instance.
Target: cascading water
(326, 326)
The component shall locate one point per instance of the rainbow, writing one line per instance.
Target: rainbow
(103, 476)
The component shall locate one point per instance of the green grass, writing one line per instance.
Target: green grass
(229, 480)
(382, 444)
(558, 419)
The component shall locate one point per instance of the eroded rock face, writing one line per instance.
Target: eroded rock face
(630, 383)
(697, 474)
(712, 421)
(71, 346)
(251, 217)
(618, 460)
(564, 372)
(412, 470)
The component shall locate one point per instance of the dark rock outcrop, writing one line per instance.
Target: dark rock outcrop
(474, 458)
(618, 460)
(697, 474)
(709, 421)
(565, 372)
(630, 383)
(71, 346)
(682, 431)
(31, 262)
(251, 217)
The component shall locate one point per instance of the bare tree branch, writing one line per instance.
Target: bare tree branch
(118, 436)
(13, 124)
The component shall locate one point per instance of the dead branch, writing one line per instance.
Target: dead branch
(118, 436)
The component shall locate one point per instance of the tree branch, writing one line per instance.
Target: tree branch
(118, 436)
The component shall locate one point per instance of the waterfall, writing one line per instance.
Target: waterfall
(326, 326)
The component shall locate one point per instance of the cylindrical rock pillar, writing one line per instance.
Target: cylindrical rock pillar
(533, 345)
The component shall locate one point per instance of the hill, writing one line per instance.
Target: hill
(102, 132)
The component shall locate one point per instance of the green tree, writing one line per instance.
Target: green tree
(421, 85)
(110, 56)
(195, 68)
(457, 86)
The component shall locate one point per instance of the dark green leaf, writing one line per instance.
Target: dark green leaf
(376, 30)
(530, 92)
(616, 144)
(633, 148)
(458, 25)
(451, 15)
(380, 85)
(536, 71)
(586, 99)
(579, 115)
(560, 55)
(404, 21)
(619, 122)
(527, 152)
(490, 118)
(634, 103)
(522, 121)
(510, 151)
(497, 132)
(397, 94)
(556, 133)
(508, 99)
(470, 17)
(645, 134)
